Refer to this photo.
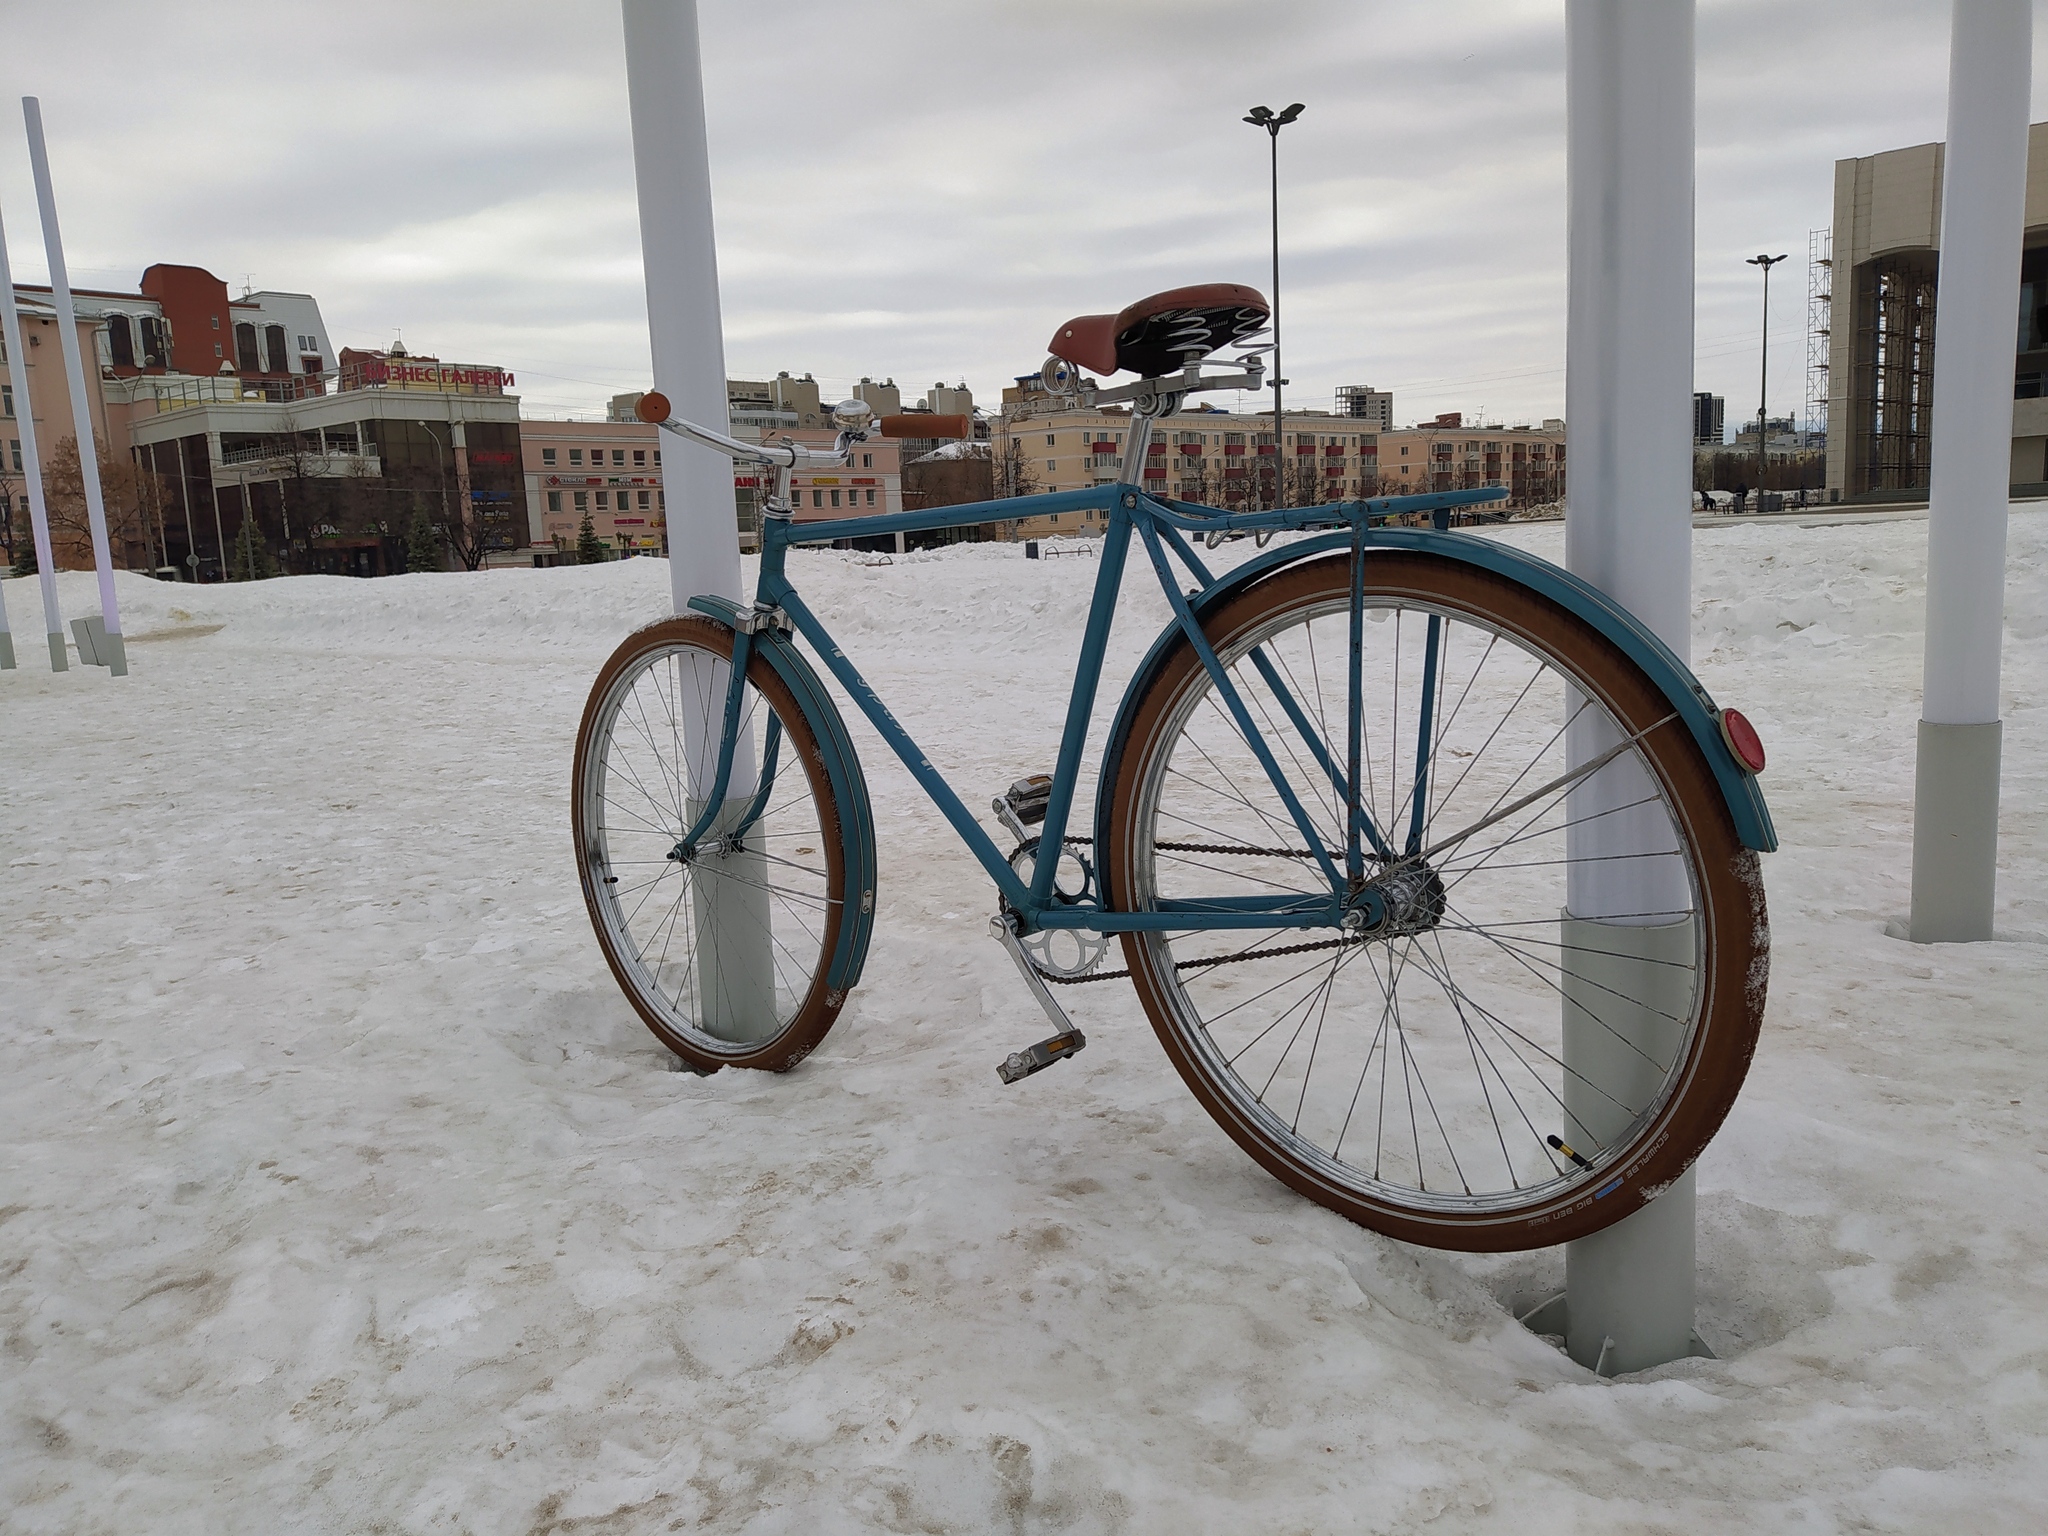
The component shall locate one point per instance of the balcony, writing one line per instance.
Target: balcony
(289, 463)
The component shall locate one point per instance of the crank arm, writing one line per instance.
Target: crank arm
(1004, 926)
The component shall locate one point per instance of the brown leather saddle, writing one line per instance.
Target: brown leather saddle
(1163, 333)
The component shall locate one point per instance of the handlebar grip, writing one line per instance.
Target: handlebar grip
(653, 408)
(921, 424)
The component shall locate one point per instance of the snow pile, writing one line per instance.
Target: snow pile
(344, 1192)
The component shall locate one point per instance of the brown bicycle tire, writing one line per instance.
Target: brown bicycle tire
(1736, 930)
(821, 1005)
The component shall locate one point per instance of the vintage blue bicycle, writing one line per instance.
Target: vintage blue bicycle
(1435, 872)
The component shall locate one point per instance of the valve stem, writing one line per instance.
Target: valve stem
(1568, 1152)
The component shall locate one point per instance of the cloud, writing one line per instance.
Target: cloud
(925, 190)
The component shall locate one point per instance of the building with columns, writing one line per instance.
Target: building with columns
(335, 465)
(1880, 282)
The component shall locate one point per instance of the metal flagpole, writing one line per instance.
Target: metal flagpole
(116, 653)
(672, 171)
(1983, 216)
(31, 461)
(1628, 530)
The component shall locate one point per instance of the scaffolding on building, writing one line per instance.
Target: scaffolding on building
(1820, 294)
(1895, 320)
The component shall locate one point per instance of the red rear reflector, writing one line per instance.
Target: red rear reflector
(1742, 740)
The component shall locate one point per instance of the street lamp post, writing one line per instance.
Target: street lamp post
(1763, 378)
(1273, 122)
(440, 469)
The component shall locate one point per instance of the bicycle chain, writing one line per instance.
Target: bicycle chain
(1202, 963)
(1207, 961)
(1269, 853)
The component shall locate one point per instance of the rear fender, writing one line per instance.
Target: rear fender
(1694, 706)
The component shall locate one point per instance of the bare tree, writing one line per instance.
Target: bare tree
(10, 490)
(1198, 482)
(463, 534)
(1305, 481)
(1016, 472)
(123, 493)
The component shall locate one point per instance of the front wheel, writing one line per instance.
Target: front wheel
(723, 947)
(1549, 989)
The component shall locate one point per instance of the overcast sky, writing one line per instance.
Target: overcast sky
(924, 190)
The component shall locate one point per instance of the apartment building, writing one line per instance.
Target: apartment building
(1212, 456)
(1446, 455)
(1373, 407)
(609, 471)
(868, 487)
(35, 386)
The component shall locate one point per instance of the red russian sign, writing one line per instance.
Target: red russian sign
(376, 371)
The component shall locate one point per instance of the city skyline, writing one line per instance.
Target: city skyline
(927, 195)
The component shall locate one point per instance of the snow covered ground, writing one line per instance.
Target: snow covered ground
(342, 1191)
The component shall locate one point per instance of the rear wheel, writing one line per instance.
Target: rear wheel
(722, 948)
(1552, 990)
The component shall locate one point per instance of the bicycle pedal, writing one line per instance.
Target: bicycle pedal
(1023, 804)
(1019, 1065)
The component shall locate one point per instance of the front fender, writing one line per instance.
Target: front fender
(849, 786)
(1673, 678)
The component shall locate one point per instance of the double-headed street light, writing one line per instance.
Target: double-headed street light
(1273, 122)
(1764, 377)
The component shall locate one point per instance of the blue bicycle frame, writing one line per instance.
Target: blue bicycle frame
(1161, 527)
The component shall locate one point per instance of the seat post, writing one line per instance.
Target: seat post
(1134, 449)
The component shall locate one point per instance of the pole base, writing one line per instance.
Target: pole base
(6, 651)
(1632, 1287)
(1955, 833)
(1631, 1284)
(735, 947)
(1552, 1319)
(59, 662)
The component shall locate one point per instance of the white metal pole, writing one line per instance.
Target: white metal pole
(116, 657)
(672, 168)
(1628, 530)
(31, 460)
(1983, 212)
(678, 245)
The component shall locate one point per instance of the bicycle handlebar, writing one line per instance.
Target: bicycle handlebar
(654, 409)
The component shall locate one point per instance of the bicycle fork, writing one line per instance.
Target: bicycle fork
(728, 743)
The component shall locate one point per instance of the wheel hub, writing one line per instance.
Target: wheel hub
(1407, 898)
(710, 848)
